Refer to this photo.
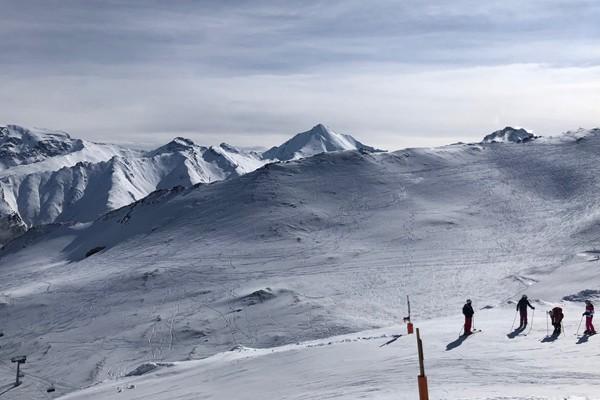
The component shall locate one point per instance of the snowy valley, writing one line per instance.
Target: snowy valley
(229, 274)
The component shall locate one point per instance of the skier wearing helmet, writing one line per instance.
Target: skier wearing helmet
(522, 308)
(468, 313)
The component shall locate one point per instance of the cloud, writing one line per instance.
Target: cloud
(236, 37)
(430, 106)
(253, 72)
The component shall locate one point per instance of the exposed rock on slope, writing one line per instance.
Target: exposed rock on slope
(11, 224)
(509, 135)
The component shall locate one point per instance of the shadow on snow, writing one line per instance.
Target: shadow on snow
(456, 343)
(515, 333)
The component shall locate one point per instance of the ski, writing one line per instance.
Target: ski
(473, 332)
(585, 335)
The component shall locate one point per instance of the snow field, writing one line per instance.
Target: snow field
(310, 250)
(486, 365)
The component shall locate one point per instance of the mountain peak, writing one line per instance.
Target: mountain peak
(178, 144)
(20, 145)
(318, 139)
(229, 148)
(182, 142)
(36, 133)
(320, 129)
(509, 135)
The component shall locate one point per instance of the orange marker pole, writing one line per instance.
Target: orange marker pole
(422, 379)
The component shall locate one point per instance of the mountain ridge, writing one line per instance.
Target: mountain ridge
(77, 182)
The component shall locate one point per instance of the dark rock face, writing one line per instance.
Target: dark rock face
(509, 135)
(11, 226)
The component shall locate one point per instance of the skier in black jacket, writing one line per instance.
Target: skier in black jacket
(468, 313)
(522, 308)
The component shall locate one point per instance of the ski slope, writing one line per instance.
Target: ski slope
(488, 365)
(311, 249)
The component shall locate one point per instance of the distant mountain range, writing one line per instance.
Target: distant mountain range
(47, 176)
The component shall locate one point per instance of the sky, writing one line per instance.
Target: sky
(393, 74)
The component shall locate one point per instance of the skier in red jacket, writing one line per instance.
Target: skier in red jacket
(589, 314)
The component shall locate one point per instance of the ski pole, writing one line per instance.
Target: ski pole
(563, 328)
(531, 326)
(514, 320)
(579, 326)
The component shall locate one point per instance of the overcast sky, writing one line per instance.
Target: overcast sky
(392, 73)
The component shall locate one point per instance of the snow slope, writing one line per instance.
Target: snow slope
(488, 365)
(312, 249)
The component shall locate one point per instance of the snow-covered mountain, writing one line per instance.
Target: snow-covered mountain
(294, 254)
(319, 139)
(30, 181)
(70, 180)
(19, 145)
(86, 190)
(24, 151)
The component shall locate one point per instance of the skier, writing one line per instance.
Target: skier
(468, 313)
(522, 308)
(556, 316)
(589, 314)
